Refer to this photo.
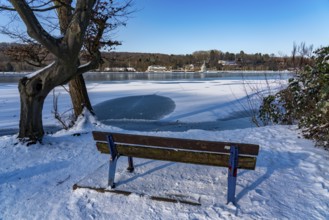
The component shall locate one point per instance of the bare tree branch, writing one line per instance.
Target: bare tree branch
(32, 53)
(6, 8)
(93, 64)
(34, 28)
(38, 8)
(79, 22)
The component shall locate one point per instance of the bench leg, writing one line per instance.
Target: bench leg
(232, 174)
(113, 161)
(113, 165)
(130, 165)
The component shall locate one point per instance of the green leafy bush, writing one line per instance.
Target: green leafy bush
(305, 101)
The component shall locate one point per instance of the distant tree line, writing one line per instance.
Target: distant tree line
(9, 64)
(216, 60)
(18, 57)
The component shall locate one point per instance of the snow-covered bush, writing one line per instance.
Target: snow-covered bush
(305, 101)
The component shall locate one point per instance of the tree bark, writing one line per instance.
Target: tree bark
(79, 95)
(33, 92)
(77, 86)
(32, 99)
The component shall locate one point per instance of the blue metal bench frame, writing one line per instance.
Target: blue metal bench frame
(232, 170)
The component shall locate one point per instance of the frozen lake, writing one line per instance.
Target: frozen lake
(122, 76)
(163, 102)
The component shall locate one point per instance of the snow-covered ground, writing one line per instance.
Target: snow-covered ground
(291, 180)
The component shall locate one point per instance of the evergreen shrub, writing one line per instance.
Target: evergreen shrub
(305, 101)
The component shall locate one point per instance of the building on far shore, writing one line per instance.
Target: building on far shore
(156, 68)
(189, 68)
(119, 69)
(227, 63)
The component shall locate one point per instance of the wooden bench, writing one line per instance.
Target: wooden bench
(232, 155)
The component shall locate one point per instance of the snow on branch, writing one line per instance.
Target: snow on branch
(31, 75)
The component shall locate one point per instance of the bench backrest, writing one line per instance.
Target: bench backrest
(177, 150)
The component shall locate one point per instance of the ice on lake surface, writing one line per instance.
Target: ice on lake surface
(159, 76)
(156, 101)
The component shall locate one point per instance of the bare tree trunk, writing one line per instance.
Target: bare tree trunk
(30, 124)
(33, 92)
(78, 90)
(79, 95)
(32, 96)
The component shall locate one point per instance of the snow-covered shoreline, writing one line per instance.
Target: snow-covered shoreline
(290, 181)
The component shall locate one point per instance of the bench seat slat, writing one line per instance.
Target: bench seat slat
(187, 144)
(202, 158)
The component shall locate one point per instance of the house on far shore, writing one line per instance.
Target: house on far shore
(119, 69)
(227, 63)
(189, 68)
(156, 68)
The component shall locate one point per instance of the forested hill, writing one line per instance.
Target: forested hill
(214, 60)
(17, 57)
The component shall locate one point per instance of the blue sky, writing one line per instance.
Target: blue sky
(266, 26)
(185, 26)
